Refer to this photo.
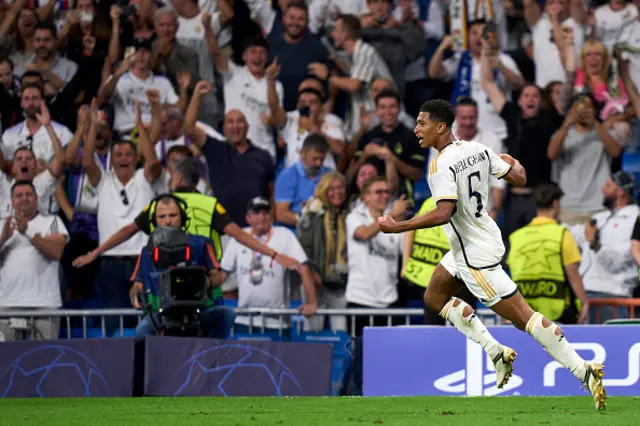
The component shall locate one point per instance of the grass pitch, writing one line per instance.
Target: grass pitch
(454, 411)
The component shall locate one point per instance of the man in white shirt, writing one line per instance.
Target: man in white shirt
(31, 246)
(25, 167)
(126, 88)
(262, 283)
(245, 89)
(309, 117)
(464, 69)
(31, 133)
(612, 20)
(123, 192)
(545, 52)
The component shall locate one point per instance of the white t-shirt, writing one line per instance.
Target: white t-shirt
(631, 36)
(294, 136)
(113, 213)
(373, 264)
(130, 89)
(273, 291)
(45, 184)
(545, 52)
(611, 24)
(29, 279)
(244, 92)
(488, 117)
(18, 136)
(461, 173)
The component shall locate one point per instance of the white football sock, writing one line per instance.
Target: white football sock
(556, 346)
(471, 327)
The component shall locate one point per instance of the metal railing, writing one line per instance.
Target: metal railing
(257, 317)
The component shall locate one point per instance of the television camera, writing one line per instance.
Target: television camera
(182, 288)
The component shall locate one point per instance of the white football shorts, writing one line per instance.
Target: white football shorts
(488, 285)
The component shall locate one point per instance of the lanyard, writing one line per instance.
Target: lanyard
(256, 257)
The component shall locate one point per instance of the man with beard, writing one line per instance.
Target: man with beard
(31, 133)
(24, 167)
(610, 246)
(296, 50)
(57, 70)
(529, 130)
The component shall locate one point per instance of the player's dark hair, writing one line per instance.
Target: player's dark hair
(316, 142)
(124, 142)
(546, 193)
(440, 110)
(351, 25)
(466, 101)
(373, 179)
(387, 93)
(23, 183)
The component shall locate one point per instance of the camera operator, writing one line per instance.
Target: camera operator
(216, 321)
(208, 218)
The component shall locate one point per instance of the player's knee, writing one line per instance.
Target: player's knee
(433, 301)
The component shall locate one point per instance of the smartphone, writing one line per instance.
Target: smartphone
(305, 111)
(490, 34)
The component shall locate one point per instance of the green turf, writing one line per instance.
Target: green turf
(454, 411)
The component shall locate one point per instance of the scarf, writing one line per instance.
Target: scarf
(462, 85)
(335, 238)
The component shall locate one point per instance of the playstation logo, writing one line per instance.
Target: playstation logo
(478, 378)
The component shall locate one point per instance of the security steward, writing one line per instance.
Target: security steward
(207, 217)
(544, 259)
(422, 251)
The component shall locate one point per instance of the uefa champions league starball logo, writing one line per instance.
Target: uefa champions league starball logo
(226, 370)
(52, 371)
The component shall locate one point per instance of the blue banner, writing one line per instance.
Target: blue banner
(183, 366)
(416, 361)
(67, 368)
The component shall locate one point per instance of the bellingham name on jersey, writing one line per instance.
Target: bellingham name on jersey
(460, 173)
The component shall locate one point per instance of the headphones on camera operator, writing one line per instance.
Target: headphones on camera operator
(182, 288)
(182, 206)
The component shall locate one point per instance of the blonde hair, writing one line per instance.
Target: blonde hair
(323, 186)
(595, 44)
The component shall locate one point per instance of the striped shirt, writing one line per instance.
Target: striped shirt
(367, 66)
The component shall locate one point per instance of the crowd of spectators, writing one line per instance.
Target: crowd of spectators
(299, 114)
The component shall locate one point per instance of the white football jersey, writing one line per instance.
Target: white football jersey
(460, 173)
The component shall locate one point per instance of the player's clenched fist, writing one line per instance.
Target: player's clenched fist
(387, 224)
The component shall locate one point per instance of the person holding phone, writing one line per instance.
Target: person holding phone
(308, 117)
